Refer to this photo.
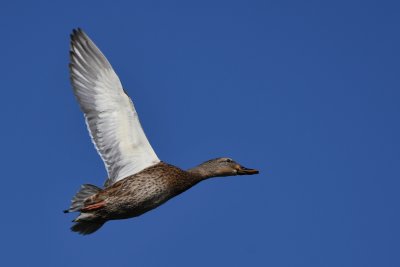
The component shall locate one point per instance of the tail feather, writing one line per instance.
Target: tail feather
(87, 227)
(85, 191)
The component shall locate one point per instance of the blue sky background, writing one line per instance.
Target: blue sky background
(308, 92)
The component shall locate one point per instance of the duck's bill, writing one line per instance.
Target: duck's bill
(246, 171)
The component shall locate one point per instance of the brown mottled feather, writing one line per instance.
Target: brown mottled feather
(140, 193)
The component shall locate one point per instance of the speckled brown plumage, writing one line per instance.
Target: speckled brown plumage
(141, 192)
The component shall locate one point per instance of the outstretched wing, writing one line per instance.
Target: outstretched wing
(110, 116)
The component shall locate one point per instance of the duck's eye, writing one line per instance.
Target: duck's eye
(228, 160)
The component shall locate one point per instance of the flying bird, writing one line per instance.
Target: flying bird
(137, 180)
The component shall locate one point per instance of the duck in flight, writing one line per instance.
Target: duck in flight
(137, 180)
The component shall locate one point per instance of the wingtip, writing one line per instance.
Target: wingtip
(76, 32)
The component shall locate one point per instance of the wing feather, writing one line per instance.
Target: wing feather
(110, 115)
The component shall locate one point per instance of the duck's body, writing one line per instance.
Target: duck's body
(138, 181)
(141, 192)
(133, 196)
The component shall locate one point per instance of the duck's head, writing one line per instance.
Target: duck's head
(221, 167)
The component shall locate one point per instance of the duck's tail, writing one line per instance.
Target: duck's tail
(86, 223)
(77, 202)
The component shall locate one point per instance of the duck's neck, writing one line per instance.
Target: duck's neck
(199, 173)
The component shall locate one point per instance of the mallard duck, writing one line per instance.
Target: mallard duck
(137, 180)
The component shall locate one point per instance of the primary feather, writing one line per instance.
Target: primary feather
(110, 115)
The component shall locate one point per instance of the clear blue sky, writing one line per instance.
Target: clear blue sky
(305, 91)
